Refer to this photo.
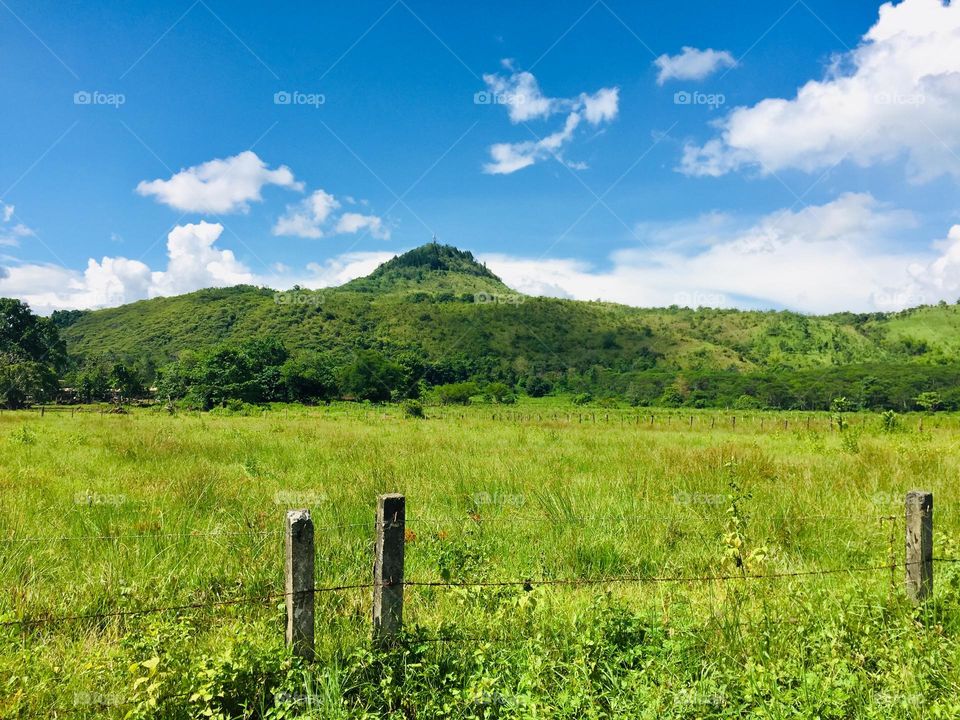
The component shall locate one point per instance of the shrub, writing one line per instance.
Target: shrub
(538, 386)
(413, 408)
(456, 393)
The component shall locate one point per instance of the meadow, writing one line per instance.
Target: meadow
(661, 566)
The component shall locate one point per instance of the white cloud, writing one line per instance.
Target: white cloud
(897, 94)
(936, 280)
(194, 261)
(692, 64)
(10, 234)
(843, 255)
(309, 219)
(219, 186)
(602, 106)
(355, 222)
(343, 268)
(521, 94)
(306, 218)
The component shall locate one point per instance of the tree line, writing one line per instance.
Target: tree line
(36, 368)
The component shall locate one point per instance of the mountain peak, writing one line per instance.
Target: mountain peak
(431, 267)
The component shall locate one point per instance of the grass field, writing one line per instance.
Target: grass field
(106, 514)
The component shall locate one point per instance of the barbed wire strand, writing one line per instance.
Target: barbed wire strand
(526, 583)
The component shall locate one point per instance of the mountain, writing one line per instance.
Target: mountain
(439, 303)
(431, 268)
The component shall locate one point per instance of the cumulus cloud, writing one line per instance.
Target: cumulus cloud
(306, 218)
(895, 95)
(194, 261)
(8, 211)
(521, 93)
(933, 281)
(843, 255)
(314, 217)
(692, 64)
(522, 96)
(219, 186)
(351, 223)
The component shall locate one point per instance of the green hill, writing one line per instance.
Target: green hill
(438, 303)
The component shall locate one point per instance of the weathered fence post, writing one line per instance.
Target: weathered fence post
(298, 582)
(919, 555)
(388, 568)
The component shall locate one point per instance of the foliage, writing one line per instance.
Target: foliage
(456, 393)
(371, 377)
(413, 408)
(31, 353)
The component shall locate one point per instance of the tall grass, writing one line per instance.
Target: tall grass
(105, 513)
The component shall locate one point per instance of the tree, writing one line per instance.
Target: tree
(371, 377)
(28, 336)
(126, 382)
(249, 372)
(22, 380)
(537, 386)
(929, 401)
(93, 383)
(31, 353)
(309, 376)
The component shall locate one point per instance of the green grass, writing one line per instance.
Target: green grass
(107, 513)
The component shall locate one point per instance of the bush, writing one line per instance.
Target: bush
(582, 399)
(538, 386)
(456, 393)
(412, 408)
(498, 391)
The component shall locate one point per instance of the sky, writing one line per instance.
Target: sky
(783, 154)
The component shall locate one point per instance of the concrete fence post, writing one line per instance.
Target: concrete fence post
(299, 582)
(388, 568)
(919, 546)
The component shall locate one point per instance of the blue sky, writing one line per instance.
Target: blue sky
(648, 153)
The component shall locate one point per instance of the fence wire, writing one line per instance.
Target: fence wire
(525, 583)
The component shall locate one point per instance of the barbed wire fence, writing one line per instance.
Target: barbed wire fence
(389, 583)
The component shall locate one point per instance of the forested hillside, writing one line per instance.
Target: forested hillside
(443, 318)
